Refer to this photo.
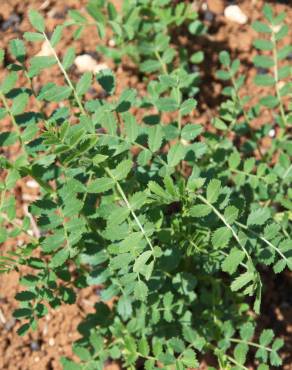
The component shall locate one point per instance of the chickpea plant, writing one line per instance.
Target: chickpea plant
(175, 223)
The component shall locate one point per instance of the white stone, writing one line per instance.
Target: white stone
(85, 63)
(272, 133)
(32, 184)
(46, 50)
(235, 14)
(276, 28)
(112, 43)
(100, 67)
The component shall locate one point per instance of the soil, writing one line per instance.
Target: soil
(41, 349)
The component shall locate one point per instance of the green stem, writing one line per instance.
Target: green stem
(234, 340)
(78, 101)
(248, 174)
(246, 117)
(163, 65)
(276, 76)
(222, 218)
(15, 224)
(123, 195)
(263, 239)
(6, 106)
(134, 143)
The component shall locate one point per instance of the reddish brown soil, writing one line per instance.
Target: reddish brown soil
(41, 349)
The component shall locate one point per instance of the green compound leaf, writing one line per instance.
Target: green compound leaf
(166, 104)
(36, 20)
(141, 291)
(200, 210)
(261, 27)
(233, 260)
(221, 237)
(155, 138)
(19, 104)
(176, 154)
(187, 106)
(83, 85)
(107, 81)
(213, 190)
(258, 216)
(101, 185)
(190, 132)
(17, 49)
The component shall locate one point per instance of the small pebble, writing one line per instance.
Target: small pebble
(59, 15)
(9, 324)
(45, 5)
(35, 346)
(276, 28)
(262, 71)
(98, 291)
(195, 68)
(112, 43)
(272, 133)
(46, 50)
(235, 14)
(204, 7)
(32, 184)
(208, 16)
(85, 63)
(51, 342)
(13, 20)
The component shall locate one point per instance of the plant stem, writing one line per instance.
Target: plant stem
(123, 195)
(78, 101)
(163, 65)
(276, 76)
(5, 103)
(250, 344)
(248, 121)
(263, 239)
(222, 218)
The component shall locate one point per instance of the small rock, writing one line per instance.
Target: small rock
(112, 43)
(272, 133)
(235, 14)
(98, 291)
(2, 317)
(204, 7)
(262, 71)
(100, 67)
(281, 84)
(35, 346)
(276, 27)
(32, 184)
(10, 324)
(85, 63)
(13, 20)
(46, 50)
(216, 6)
(30, 232)
(209, 16)
(195, 68)
(45, 5)
(51, 342)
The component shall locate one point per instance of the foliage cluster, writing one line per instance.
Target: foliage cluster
(175, 222)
